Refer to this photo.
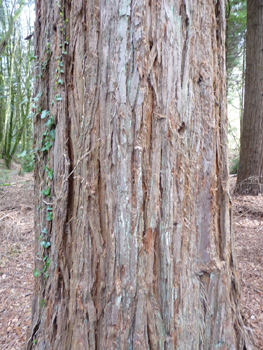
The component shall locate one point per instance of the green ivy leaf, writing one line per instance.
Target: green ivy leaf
(50, 122)
(49, 172)
(36, 273)
(36, 99)
(47, 146)
(49, 216)
(44, 114)
(44, 231)
(52, 134)
(46, 135)
(46, 192)
(32, 58)
(45, 244)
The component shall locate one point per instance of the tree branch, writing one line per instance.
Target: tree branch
(5, 39)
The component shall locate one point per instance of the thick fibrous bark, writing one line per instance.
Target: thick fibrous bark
(141, 243)
(250, 172)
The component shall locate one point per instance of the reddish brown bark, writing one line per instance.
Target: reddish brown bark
(141, 243)
(250, 171)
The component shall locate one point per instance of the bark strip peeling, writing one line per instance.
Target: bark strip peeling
(141, 248)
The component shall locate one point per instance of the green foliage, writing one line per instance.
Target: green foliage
(234, 163)
(36, 273)
(49, 172)
(46, 263)
(48, 135)
(47, 145)
(5, 37)
(16, 63)
(45, 244)
(38, 96)
(46, 192)
(58, 98)
(48, 139)
(50, 122)
(27, 162)
(236, 17)
(49, 216)
(44, 114)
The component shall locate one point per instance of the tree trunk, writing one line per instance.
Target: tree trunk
(250, 171)
(2, 103)
(141, 250)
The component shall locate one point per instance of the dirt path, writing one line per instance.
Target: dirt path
(17, 258)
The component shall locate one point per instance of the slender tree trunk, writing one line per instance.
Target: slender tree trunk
(242, 89)
(250, 171)
(2, 102)
(141, 251)
(9, 111)
(9, 131)
(21, 117)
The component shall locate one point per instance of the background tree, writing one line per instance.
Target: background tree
(249, 179)
(15, 81)
(236, 17)
(133, 232)
(16, 8)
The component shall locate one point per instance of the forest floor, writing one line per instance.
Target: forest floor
(17, 258)
(248, 228)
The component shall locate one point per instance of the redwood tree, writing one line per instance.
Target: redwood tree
(250, 171)
(133, 215)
